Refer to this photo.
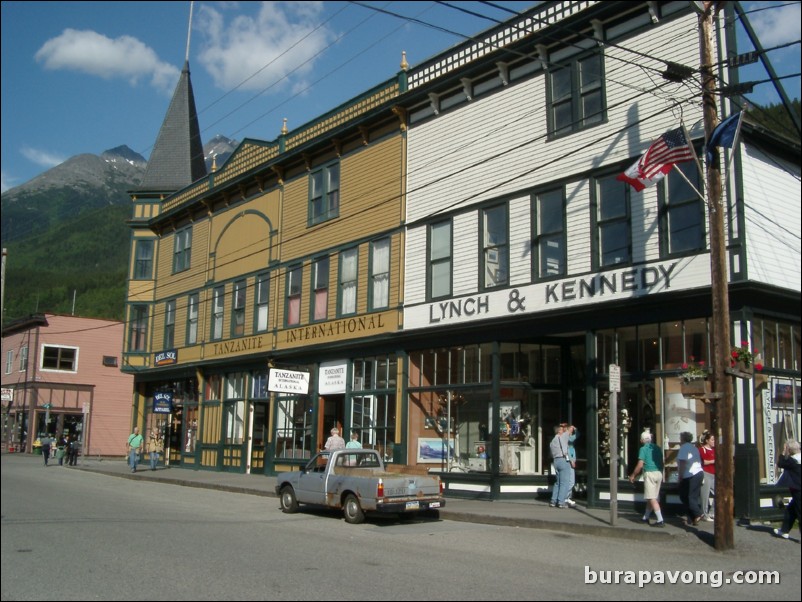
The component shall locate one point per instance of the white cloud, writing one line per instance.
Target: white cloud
(6, 181)
(254, 53)
(776, 25)
(95, 54)
(40, 157)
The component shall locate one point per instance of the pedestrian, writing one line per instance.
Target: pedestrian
(707, 452)
(135, 442)
(335, 441)
(562, 467)
(573, 433)
(650, 462)
(61, 450)
(689, 467)
(790, 463)
(46, 442)
(155, 447)
(354, 443)
(72, 452)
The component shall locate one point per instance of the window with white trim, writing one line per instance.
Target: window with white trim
(440, 260)
(324, 193)
(169, 325)
(576, 94)
(348, 281)
(495, 252)
(294, 287)
(143, 262)
(192, 318)
(62, 359)
(683, 216)
(238, 309)
(549, 245)
(262, 298)
(218, 309)
(182, 250)
(320, 288)
(380, 273)
(138, 328)
(611, 217)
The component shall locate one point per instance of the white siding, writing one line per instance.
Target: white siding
(498, 145)
(465, 260)
(520, 240)
(415, 266)
(771, 194)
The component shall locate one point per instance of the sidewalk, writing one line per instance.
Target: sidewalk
(519, 513)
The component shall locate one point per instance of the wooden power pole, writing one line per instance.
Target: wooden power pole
(722, 382)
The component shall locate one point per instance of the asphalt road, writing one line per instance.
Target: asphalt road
(77, 535)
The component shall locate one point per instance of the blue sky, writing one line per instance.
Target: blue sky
(84, 77)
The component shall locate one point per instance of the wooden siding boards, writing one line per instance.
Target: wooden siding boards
(520, 240)
(498, 145)
(455, 158)
(106, 390)
(772, 231)
(169, 284)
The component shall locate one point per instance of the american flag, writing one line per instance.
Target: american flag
(672, 147)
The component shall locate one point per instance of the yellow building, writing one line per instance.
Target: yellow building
(287, 257)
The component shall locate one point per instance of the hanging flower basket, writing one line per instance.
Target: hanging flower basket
(742, 370)
(696, 388)
(743, 362)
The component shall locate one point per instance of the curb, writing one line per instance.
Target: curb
(566, 527)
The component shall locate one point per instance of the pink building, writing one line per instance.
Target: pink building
(61, 376)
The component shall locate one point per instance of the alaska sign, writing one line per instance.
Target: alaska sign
(609, 285)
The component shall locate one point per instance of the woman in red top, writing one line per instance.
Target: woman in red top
(707, 451)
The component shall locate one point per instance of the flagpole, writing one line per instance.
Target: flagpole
(735, 138)
(684, 177)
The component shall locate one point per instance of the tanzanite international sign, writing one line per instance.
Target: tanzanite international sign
(163, 402)
(288, 381)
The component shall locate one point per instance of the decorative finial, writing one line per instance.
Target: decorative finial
(404, 63)
(214, 162)
(284, 129)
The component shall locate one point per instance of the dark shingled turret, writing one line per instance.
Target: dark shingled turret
(177, 158)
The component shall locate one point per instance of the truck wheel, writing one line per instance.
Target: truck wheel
(289, 503)
(352, 510)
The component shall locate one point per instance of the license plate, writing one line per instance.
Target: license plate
(434, 505)
(412, 505)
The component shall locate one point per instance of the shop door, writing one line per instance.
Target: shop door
(258, 437)
(234, 444)
(548, 415)
(332, 414)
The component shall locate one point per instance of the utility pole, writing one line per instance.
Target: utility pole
(722, 383)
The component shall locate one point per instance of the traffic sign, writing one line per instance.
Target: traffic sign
(615, 378)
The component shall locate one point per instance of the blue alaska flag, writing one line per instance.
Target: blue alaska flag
(723, 135)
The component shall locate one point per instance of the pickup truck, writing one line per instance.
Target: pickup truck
(356, 481)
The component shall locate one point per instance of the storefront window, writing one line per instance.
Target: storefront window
(293, 427)
(671, 339)
(373, 403)
(234, 411)
(444, 367)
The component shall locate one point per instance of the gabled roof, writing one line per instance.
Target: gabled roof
(177, 157)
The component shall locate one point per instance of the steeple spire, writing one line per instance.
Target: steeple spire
(177, 157)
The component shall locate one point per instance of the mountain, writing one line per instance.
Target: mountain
(218, 150)
(66, 233)
(79, 184)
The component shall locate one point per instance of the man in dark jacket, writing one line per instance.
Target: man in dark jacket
(790, 463)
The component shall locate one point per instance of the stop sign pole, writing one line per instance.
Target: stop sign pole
(615, 389)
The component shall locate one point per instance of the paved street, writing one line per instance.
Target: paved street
(84, 534)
